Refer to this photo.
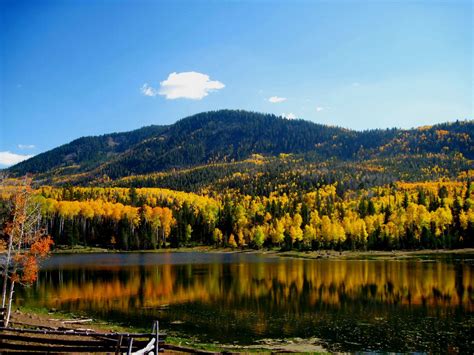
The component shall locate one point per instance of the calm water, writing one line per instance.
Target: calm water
(423, 305)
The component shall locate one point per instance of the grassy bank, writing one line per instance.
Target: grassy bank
(319, 254)
(369, 255)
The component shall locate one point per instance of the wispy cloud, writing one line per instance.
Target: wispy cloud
(147, 90)
(276, 99)
(319, 108)
(289, 116)
(26, 146)
(8, 158)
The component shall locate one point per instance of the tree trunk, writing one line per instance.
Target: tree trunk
(5, 271)
(9, 308)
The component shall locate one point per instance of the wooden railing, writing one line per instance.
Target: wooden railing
(66, 341)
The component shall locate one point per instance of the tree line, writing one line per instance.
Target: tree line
(395, 216)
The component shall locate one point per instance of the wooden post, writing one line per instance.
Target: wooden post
(130, 344)
(157, 337)
(119, 344)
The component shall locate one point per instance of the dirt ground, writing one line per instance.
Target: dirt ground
(45, 321)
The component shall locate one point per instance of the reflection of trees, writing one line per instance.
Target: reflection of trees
(379, 304)
(294, 285)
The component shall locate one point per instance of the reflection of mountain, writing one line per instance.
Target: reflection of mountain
(294, 285)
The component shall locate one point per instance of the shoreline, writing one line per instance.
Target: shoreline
(41, 317)
(317, 254)
(44, 318)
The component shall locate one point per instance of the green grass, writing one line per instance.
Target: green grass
(79, 249)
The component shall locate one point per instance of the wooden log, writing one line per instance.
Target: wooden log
(77, 321)
(73, 348)
(71, 342)
(119, 344)
(79, 333)
(157, 337)
(56, 348)
(35, 326)
(56, 341)
(130, 346)
(47, 331)
(147, 349)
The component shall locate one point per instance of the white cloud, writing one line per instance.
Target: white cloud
(289, 116)
(319, 109)
(186, 85)
(276, 99)
(8, 158)
(147, 90)
(26, 146)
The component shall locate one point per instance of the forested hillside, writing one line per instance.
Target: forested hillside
(243, 179)
(223, 138)
(85, 153)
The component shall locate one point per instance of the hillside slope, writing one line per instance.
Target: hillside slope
(228, 135)
(84, 153)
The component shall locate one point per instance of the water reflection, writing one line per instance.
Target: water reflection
(350, 305)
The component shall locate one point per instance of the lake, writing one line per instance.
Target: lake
(425, 304)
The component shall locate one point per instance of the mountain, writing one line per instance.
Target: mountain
(85, 153)
(228, 136)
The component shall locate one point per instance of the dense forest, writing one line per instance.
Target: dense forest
(397, 216)
(287, 173)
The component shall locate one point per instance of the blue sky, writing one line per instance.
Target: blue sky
(77, 68)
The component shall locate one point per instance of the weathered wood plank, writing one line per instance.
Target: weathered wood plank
(157, 337)
(47, 341)
(130, 346)
(147, 349)
(119, 345)
(63, 348)
(71, 342)
(79, 333)
(76, 321)
(55, 348)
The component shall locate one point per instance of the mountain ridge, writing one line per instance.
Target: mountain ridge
(234, 135)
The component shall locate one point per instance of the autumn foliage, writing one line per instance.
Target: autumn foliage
(398, 216)
(24, 240)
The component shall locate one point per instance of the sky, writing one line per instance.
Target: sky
(78, 68)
